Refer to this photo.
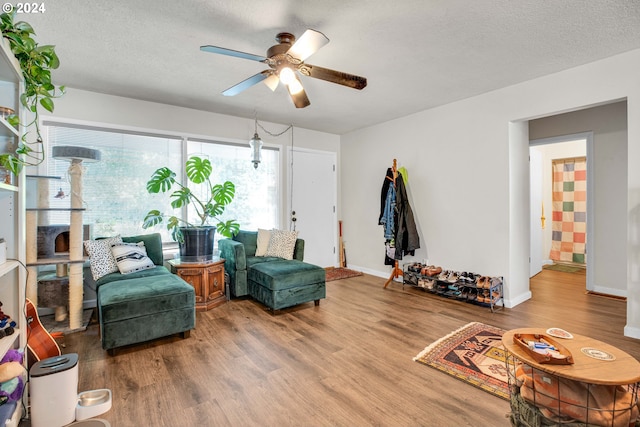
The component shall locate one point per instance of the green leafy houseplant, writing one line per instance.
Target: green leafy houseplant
(36, 63)
(218, 197)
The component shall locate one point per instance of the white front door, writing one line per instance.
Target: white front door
(314, 198)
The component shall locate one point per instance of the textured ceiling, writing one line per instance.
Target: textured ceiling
(416, 54)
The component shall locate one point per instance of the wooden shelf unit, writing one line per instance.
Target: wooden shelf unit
(12, 215)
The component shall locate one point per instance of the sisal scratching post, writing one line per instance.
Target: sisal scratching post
(75, 247)
(43, 201)
(76, 155)
(62, 270)
(32, 256)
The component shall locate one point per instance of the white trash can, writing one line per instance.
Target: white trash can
(54, 391)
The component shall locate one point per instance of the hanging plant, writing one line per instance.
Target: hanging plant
(36, 63)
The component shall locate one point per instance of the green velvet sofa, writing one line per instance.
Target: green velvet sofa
(143, 305)
(275, 282)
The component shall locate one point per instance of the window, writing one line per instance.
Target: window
(256, 201)
(114, 189)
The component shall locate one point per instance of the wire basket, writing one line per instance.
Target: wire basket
(540, 399)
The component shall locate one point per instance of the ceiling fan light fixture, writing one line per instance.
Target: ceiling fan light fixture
(295, 87)
(287, 76)
(272, 82)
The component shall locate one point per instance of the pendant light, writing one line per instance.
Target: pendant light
(256, 146)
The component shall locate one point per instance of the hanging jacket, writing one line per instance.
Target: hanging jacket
(405, 234)
(388, 216)
(388, 182)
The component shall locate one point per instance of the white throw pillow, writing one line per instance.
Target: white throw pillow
(263, 241)
(131, 257)
(102, 261)
(282, 244)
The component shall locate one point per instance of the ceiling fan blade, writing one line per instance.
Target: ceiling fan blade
(298, 95)
(230, 52)
(308, 44)
(272, 81)
(246, 84)
(333, 76)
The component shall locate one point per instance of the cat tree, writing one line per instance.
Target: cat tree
(76, 156)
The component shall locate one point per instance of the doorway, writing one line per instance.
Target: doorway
(607, 154)
(558, 227)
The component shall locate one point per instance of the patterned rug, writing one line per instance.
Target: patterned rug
(341, 273)
(473, 354)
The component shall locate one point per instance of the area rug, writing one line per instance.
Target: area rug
(473, 354)
(341, 273)
(563, 268)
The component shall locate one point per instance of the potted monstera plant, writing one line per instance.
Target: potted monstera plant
(196, 238)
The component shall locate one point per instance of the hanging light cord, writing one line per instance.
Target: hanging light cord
(290, 127)
(293, 213)
(273, 134)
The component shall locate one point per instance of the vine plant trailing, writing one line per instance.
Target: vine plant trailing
(36, 63)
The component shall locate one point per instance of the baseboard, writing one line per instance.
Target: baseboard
(512, 302)
(603, 290)
(632, 332)
(383, 274)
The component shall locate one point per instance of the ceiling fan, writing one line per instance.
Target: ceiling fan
(284, 59)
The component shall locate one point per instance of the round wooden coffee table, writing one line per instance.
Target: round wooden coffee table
(600, 387)
(623, 369)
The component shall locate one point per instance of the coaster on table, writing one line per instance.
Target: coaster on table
(597, 354)
(559, 333)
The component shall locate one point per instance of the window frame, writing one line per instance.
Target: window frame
(184, 139)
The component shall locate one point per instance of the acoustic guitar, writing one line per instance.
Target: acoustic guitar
(40, 344)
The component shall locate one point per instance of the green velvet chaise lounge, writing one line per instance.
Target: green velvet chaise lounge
(275, 282)
(143, 305)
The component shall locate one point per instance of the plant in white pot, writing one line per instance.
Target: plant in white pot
(196, 239)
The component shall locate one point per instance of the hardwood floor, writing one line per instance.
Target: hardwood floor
(347, 362)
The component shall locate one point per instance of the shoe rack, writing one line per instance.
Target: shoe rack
(464, 286)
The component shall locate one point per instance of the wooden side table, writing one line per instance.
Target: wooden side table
(207, 279)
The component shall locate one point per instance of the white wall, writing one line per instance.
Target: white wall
(465, 164)
(96, 108)
(608, 124)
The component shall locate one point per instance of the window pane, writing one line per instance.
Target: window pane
(256, 201)
(114, 189)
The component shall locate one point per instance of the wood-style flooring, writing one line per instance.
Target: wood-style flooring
(347, 362)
